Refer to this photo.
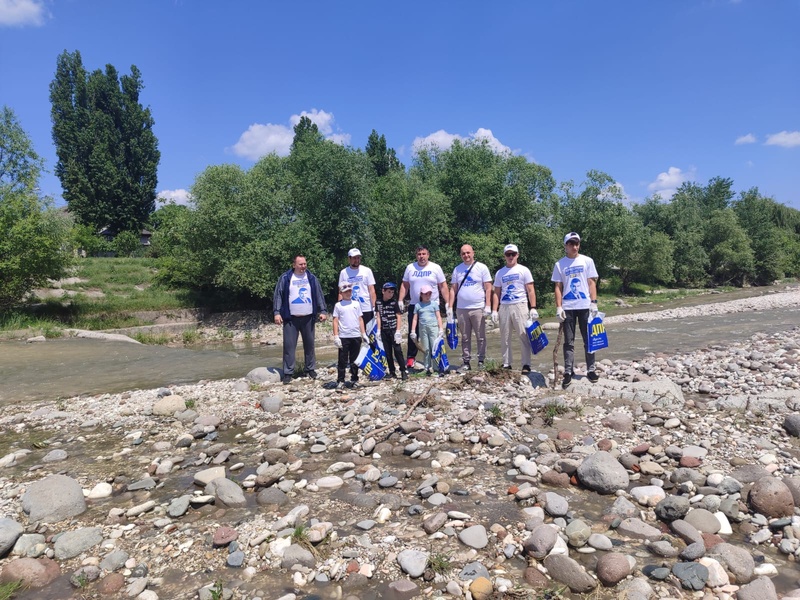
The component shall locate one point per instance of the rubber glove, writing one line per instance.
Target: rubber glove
(365, 337)
(449, 312)
(487, 310)
(495, 317)
(400, 306)
(534, 314)
(412, 336)
(441, 333)
(398, 337)
(337, 341)
(592, 310)
(561, 314)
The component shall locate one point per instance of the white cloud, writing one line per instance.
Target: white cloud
(22, 12)
(746, 139)
(787, 139)
(443, 140)
(666, 184)
(262, 139)
(179, 196)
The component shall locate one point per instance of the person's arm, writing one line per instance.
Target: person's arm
(401, 295)
(439, 320)
(361, 327)
(277, 301)
(531, 294)
(373, 298)
(335, 326)
(496, 299)
(377, 319)
(487, 288)
(414, 323)
(444, 292)
(453, 292)
(559, 291)
(593, 289)
(323, 308)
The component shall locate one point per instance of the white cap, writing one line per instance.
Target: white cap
(354, 252)
(345, 287)
(571, 236)
(511, 248)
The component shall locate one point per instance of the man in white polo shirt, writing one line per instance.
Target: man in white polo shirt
(513, 291)
(471, 292)
(576, 307)
(419, 273)
(362, 282)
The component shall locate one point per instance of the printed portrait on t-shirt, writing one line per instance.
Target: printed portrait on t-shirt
(356, 293)
(302, 296)
(511, 293)
(575, 292)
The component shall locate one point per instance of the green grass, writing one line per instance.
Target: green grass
(495, 414)
(152, 339)
(128, 286)
(439, 563)
(7, 590)
(551, 410)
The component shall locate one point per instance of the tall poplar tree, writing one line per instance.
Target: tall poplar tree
(107, 152)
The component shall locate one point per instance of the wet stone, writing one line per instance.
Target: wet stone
(692, 575)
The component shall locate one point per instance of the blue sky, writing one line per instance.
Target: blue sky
(653, 93)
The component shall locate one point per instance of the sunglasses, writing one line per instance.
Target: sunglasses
(511, 253)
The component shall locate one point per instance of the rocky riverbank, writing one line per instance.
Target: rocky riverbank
(672, 477)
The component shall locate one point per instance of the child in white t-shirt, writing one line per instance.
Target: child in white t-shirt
(430, 324)
(348, 331)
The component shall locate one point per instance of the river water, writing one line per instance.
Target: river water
(62, 368)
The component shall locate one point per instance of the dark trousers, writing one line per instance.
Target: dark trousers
(348, 354)
(412, 347)
(304, 327)
(387, 337)
(581, 319)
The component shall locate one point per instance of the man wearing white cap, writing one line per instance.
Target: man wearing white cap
(513, 292)
(419, 273)
(362, 282)
(577, 306)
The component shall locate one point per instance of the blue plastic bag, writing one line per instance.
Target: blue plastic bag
(372, 360)
(598, 338)
(439, 355)
(537, 336)
(452, 334)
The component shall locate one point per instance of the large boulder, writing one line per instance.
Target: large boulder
(53, 499)
(261, 375)
(10, 530)
(772, 498)
(31, 572)
(602, 473)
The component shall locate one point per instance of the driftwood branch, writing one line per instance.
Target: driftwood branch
(555, 355)
(394, 424)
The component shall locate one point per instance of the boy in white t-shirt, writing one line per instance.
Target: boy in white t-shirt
(348, 331)
(575, 278)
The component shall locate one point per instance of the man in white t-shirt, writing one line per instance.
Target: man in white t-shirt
(513, 292)
(362, 282)
(471, 292)
(576, 273)
(419, 273)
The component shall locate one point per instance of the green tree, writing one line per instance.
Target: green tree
(107, 152)
(33, 236)
(731, 257)
(384, 159)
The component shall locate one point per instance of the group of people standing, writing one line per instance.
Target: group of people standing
(473, 296)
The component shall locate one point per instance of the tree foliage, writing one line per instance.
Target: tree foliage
(33, 236)
(245, 226)
(107, 151)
